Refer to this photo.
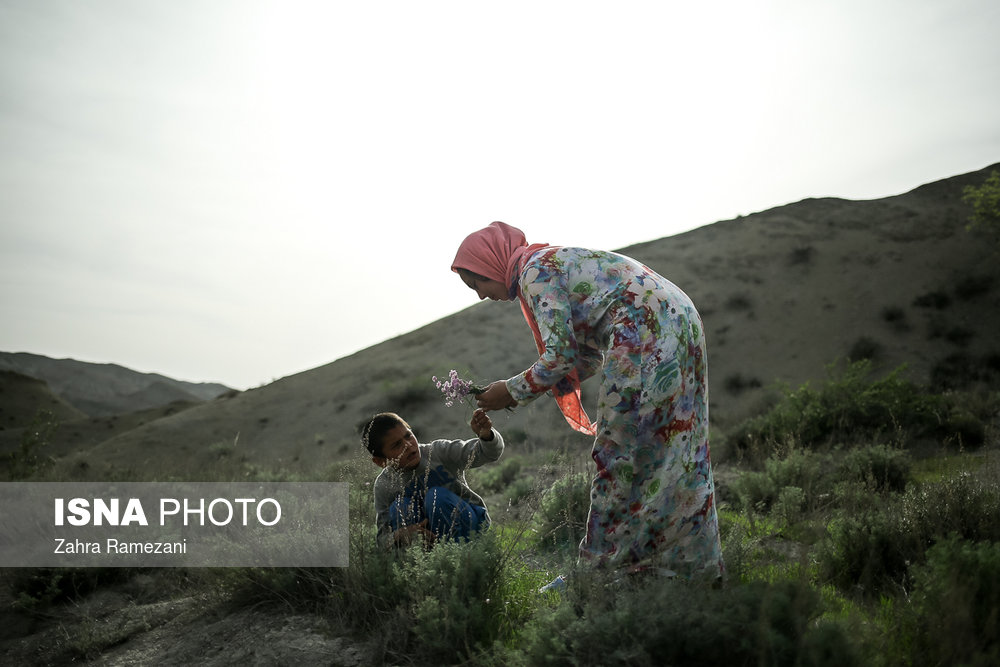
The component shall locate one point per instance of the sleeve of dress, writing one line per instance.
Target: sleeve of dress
(549, 303)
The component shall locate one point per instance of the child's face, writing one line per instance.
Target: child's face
(399, 449)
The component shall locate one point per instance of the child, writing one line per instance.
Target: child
(421, 491)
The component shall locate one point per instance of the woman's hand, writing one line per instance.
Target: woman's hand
(496, 397)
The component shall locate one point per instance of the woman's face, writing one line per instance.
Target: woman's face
(484, 287)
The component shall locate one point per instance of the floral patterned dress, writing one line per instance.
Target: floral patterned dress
(653, 498)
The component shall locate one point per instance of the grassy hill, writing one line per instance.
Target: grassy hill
(22, 397)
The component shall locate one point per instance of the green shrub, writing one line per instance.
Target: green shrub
(871, 550)
(852, 407)
(985, 202)
(35, 588)
(451, 590)
(562, 516)
(879, 467)
(864, 348)
(957, 602)
(806, 481)
(519, 490)
(28, 460)
(803, 470)
(495, 478)
(654, 621)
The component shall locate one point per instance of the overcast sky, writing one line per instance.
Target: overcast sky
(239, 191)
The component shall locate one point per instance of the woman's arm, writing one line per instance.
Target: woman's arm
(549, 304)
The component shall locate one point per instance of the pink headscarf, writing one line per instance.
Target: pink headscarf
(495, 252)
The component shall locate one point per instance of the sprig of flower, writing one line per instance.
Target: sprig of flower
(457, 390)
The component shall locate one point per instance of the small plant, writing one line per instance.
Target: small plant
(496, 477)
(759, 491)
(937, 300)
(880, 468)
(896, 318)
(957, 603)
(801, 255)
(970, 287)
(28, 460)
(562, 516)
(737, 384)
(739, 302)
(959, 336)
(985, 202)
(863, 348)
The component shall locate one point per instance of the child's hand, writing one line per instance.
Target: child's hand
(482, 425)
(405, 536)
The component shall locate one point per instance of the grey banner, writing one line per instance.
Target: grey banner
(174, 524)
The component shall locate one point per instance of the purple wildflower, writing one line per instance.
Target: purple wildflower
(455, 389)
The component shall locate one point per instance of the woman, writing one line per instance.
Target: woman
(653, 498)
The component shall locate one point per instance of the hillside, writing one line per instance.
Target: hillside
(22, 397)
(783, 293)
(101, 390)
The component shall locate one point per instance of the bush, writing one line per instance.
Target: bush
(881, 468)
(28, 460)
(872, 550)
(806, 480)
(562, 516)
(852, 407)
(494, 478)
(35, 588)
(737, 384)
(957, 603)
(454, 593)
(802, 470)
(972, 287)
(937, 300)
(863, 348)
(959, 370)
(895, 317)
(653, 621)
(985, 202)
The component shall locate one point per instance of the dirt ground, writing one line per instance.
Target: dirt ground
(110, 627)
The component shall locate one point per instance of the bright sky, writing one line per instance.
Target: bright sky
(240, 190)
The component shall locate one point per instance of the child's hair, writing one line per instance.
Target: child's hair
(375, 430)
